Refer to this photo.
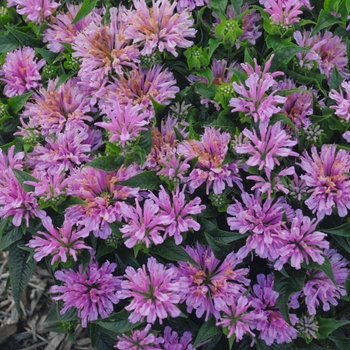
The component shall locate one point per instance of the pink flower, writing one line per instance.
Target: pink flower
(208, 287)
(272, 143)
(236, 318)
(326, 177)
(125, 122)
(35, 10)
(145, 225)
(172, 341)
(93, 291)
(21, 71)
(342, 108)
(269, 321)
(58, 243)
(139, 340)
(255, 101)
(154, 293)
(159, 27)
(190, 4)
(211, 150)
(301, 242)
(262, 220)
(178, 212)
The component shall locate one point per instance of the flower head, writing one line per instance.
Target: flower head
(342, 108)
(92, 291)
(20, 72)
(154, 292)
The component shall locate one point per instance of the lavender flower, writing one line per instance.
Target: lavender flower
(154, 293)
(342, 108)
(159, 27)
(190, 4)
(92, 291)
(208, 287)
(172, 341)
(21, 71)
(326, 177)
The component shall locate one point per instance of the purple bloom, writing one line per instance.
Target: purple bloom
(342, 108)
(236, 318)
(92, 291)
(327, 179)
(254, 100)
(262, 220)
(211, 150)
(269, 321)
(145, 225)
(301, 242)
(172, 341)
(154, 293)
(125, 122)
(265, 148)
(190, 4)
(319, 289)
(20, 71)
(35, 10)
(177, 211)
(159, 27)
(58, 243)
(208, 287)
(139, 340)
(102, 196)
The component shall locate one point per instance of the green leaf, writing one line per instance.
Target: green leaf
(341, 342)
(326, 267)
(146, 140)
(86, 8)
(325, 20)
(48, 56)
(213, 45)
(343, 230)
(10, 236)
(54, 316)
(24, 38)
(63, 78)
(206, 73)
(147, 180)
(237, 4)
(327, 325)
(169, 250)
(17, 102)
(220, 250)
(102, 339)
(284, 55)
(206, 91)
(336, 79)
(20, 271)
(286, 286)
(22, 176)
(8, 43)
(117, 322)
(208, 330)
(107, 163)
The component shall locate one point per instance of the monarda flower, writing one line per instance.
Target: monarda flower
(92, 291)
(51, 109)
(211, 285)
(301, 243)
(159, 27)
(325, 175)
(267, 146)
(255, 99)
(211, 151)
(172, 341)
(20, 72)
(35, 10)
(342, 108)
(102, 196)
(124, 123)
(269, 321)
(263, 220)
(60, 244)
(154, 292)
(178, 211)
(190, 4)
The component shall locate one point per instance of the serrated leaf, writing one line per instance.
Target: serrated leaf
(219, 7)
(24, 38)
(16, 103)
(341, 342)
(336, 79)
(237, 4)
(117, 322)
(286, 286)
(8, 43)
(169, 250)
(326, 267)
(208, 330)
(10, 236)
(147, 180)
(86, 8)
(100, 339)
(20, 271)
(107, 163)
(343, 230)
(325, 20)
(22, 177)
(328, 325)
(48, 56)
(146, 140)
